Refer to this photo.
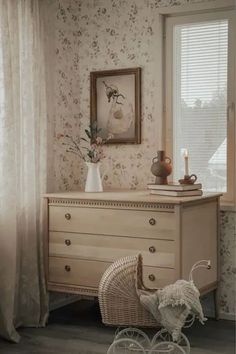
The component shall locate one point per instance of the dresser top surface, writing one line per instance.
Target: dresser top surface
(130, 195)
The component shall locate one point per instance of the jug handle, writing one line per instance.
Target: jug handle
(104, 173)
(154, 158)
(168, 158)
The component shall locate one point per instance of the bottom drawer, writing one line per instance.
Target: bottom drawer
(88, 273)
(76, 272)
(156, 278)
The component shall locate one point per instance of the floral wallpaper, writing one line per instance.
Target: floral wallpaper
(89, 35)
(96, 35)
(228, 263)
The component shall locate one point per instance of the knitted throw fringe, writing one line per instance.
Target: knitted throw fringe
(173, 304)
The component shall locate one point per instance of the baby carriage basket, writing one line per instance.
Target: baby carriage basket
(119, 300)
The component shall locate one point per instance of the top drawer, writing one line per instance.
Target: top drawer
(134, 223)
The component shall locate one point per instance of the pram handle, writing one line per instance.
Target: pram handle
(204, 263)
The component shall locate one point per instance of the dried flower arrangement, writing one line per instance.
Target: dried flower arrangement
(94, 151)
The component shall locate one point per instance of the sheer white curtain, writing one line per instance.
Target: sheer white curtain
(23, 135)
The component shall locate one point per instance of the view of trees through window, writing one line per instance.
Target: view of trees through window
(200, 101)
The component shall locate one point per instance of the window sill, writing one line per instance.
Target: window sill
(224, 206)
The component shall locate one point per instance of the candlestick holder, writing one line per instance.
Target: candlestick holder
(188, 179)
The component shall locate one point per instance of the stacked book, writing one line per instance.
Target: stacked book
(176, 189)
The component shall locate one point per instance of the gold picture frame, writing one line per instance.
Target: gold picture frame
(115, 104)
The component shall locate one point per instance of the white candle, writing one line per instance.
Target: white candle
(186, 172)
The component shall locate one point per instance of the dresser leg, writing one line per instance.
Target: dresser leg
(216, 303)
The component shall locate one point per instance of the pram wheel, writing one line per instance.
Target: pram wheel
(167, 347)
(134, 334)
(164, 336)
(126, 346)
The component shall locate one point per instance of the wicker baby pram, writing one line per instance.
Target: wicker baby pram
(120, 305)
(118, 297)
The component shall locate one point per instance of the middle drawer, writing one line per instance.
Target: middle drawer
(157, 253)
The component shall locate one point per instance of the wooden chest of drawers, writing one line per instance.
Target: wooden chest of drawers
(86, 232)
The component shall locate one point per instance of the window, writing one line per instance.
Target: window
(200, 98)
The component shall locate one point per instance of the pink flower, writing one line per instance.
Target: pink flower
(110, 136)
(59, 135)
(99, 140)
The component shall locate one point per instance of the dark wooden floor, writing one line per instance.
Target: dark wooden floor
(77, 329)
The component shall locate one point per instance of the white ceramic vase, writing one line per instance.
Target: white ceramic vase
(94, 180)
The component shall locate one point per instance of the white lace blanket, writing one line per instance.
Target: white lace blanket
(172, 305)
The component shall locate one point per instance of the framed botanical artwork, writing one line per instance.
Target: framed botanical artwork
(115, 104)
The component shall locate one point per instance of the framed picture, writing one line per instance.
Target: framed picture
(115, 104)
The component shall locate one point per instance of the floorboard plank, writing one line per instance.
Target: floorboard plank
(77, 329)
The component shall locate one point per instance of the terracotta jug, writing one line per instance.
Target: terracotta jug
(161, 167)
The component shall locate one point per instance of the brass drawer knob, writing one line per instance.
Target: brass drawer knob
(152, 221)
(151, 277)
(67, 268)
(68, 242)
(152, 249)
(67, 216)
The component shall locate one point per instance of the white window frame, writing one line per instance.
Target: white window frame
(189, 14)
